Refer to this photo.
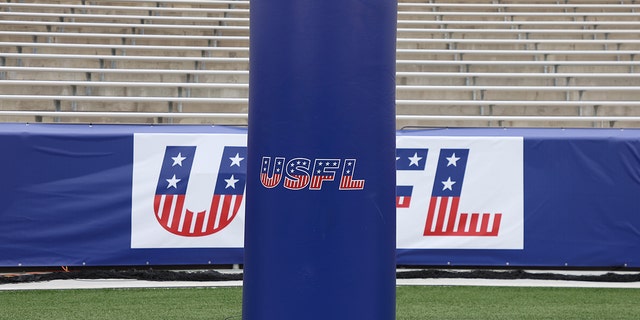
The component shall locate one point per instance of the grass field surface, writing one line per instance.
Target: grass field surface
(413, 302)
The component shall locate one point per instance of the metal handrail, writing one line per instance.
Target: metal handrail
(548, 75)
(122, 98)
(122, 35)
(246, 86)
(246, 60)
(125, 71)
(131, 8)
(416, 102)
(120, 58)
(62, 15)
(125, 84)
(401, 22)
(400, 29)
(517, 14)
(519, 23)
(416, 74)
(246, 49)
(246, 38)
(400, 13)
(551, 5)
(122, 46)
(244, 116)
(134, 25)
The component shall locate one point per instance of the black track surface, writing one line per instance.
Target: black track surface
(211, 275)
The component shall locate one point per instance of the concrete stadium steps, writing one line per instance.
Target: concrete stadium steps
(569, 28)
(468, 40)
(129, 27)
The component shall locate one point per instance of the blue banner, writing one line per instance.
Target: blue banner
(76, 195)
(104, 195)
(536, 197)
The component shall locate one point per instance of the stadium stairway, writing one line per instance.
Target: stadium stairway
(465, 63)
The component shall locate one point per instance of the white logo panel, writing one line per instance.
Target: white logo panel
(460, 192)
(183, 209)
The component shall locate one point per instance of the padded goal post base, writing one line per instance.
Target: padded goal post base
(320, 213)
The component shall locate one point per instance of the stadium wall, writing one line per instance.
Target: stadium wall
(126, 195)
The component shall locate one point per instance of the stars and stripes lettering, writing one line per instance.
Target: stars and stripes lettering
(172, 186)
(408, 159)
(443, 216)
(300, 173)
(297, 174)
(171, 192)
(270, 176)
(403, 196)
(323, 170)
(346, 181)
(229, 190)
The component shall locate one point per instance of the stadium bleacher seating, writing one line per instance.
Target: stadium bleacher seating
(465, 63)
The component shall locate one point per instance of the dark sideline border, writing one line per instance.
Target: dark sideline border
(178, 273)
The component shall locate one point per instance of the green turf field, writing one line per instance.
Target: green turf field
(413, 302)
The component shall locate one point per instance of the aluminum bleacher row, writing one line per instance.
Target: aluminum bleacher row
(469, 63)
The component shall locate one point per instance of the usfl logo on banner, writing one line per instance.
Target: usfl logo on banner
(460, 192)
(188, 190)
(452, 192)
